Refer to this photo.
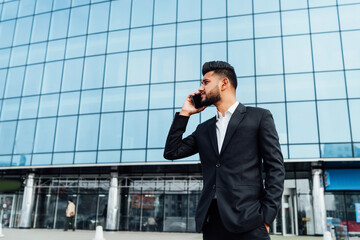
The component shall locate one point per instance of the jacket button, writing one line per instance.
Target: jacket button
(214, 186)
(218, 165)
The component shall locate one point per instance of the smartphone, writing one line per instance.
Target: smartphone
(197, 101)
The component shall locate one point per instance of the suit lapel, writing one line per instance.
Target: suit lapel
(234, 122)
(212, 135)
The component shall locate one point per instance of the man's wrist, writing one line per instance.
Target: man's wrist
(184, 113)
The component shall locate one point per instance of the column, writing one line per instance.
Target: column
(113, 204)
(318, 202)
(28, 202)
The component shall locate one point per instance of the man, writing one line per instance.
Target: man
(234, 147)
(70, 213)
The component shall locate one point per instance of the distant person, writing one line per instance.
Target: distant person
(70, 214)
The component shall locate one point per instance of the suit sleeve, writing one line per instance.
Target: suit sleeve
(273, 163)
(176, 147)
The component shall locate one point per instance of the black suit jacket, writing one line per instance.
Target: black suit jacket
(251, 144)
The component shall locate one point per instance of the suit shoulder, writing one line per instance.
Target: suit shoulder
(206, 123)
(256, 110)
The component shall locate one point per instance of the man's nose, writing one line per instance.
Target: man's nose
(201, 88)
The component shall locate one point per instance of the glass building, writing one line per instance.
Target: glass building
(88, 90)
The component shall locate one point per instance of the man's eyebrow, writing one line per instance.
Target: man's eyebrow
(205, 79)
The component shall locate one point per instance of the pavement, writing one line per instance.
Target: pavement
(56, 234)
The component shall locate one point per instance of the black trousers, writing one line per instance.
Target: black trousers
(214, 228)
(69, 220)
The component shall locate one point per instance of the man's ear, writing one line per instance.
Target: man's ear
(224, 83)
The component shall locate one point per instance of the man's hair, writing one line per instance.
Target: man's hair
(222, 68)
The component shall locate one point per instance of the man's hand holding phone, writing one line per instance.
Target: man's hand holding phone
(189, 108)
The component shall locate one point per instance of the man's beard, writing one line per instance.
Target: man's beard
(214, 96)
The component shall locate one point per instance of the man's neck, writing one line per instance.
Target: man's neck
(223, 106)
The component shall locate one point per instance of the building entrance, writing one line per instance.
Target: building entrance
(289, 212)
(7, 204)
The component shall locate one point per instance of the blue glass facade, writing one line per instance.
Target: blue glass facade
(99, 81)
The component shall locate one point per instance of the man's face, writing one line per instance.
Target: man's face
(210, 90)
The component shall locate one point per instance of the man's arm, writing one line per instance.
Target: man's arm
(273, 166)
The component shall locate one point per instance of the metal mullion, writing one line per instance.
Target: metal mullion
(254, 52)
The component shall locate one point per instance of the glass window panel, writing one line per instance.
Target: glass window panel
(267, 25)
(268, 51)
(241, 57)
(189, 10)
(214, 30)
(41, 159)
(161, 96)
(10, 109)
(188, 33)
(164, 35)
(120, 14)
(320, 3)
(240, 27)
(56, 50)
(236, 7)
(137, 97)
(299, 87)
(24, 137)
(59, 4)
(330, 85)
(297, 54)
(63, 158)
(162, 65)
(59, 24)
(213, 8)
(245, 90)
(85, 157)
(349, 17)
(78, 21)
(270, 89)
(191, 126)
(160, 122)
(165, 11)
(90, 101)
(21, 160)
(26, 8)
(188, 63)
(110, 133)
(136, 59)
(23, 30)
(80, 2)
(113, 100)
(182, 90)
(40, 28)
(33, 79)
(142, 13)
(87, 137)
(37, 53)
(14, 82)
(333, 125)
(65, 134)
(140, 38)
(302, 122)
(324, 19)
(135, 126)
(212, 52)
(75, 47)
(266, 5)
(118, 41)
(43, 6)
(69, 103)
(6, 32)
(293, 4)
(4, 57)
(99, 17)
(208, 113)
(156, 155)
(29, 107)
(44, 139)
(356, 150)
(108, 157)
(72, 75)
(353, 83)
(18, 56)
(5, 161)
(2, 81)
(93, 72)
(115, 70)
(7, 135)
(336, 150)
(52, 77)
(295, 22)
(304, 151)
(278, 112)
(96, 44)
(133, 156)
(48, 105)
(354, 106)
(10, 10)
(351, 49)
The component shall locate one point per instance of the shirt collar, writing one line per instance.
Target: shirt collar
(231, 110)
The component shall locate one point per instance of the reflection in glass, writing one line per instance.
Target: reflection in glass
(160, 122)
(267, 25)
(165, 11)
(136, 59)
(41, 159)
(93, 72)
(65, 134)
(161, 95)
(330, 85)
(85, 157)
(213, 8)
(29, 107)
(295, 22)
(268, 51)
(14, 82)
(189, 10)
(120, 14)
(137, 97)
(10, 109)
(6, 32)
(7, 135)
(142, 13)
(188, 33)
(211, 52)
(69, 103)
(99, 16)
(245, 91)
(240, 28)
(90, 101)
(40, 28)
(297, 54)
(96, 44)
(140, 38)
(48, 105)
(323, 58)
(118, 41)
(351, 49)
(78, 21)
(270, 89)
(304, 151)
(115, 70)
(44, 138)
(55, 50)
(52, 77)
(329, 150)
(214, 30)
(87, 136)
(354, 106)
(59, 24)
(324, 19)
(133, 156)
(135, 130)
(241, 57)
(299, 87)
(110, 131)
(18, 56)
(164, 35)
(72, 75)
(113, 100)
(162, 65)
(24, 137)
(188, 63)
(75, 47)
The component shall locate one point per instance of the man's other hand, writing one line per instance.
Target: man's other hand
(267, 227)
